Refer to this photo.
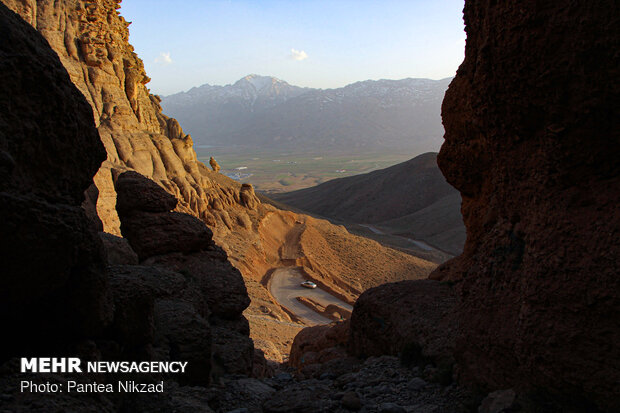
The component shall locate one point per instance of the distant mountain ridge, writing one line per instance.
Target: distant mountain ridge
(252, 90)
(266, 112)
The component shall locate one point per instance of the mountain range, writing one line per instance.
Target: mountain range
(265, 112)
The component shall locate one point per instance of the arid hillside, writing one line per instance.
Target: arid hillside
(91, 40)
(411, 200)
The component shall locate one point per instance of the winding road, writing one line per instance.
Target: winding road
(285, 288)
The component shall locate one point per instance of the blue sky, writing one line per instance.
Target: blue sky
(314, 43)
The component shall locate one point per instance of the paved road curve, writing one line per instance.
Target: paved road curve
(285, 288)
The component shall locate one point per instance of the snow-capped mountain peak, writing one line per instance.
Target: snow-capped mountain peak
(259, 82)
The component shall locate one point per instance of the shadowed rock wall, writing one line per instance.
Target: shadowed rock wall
(53, 285)
(58, 295)
(532, 143)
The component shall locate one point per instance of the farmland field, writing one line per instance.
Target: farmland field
(286, 171)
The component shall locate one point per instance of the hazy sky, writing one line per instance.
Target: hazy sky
(314, 43)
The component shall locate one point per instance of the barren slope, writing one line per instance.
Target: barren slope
(411, 199)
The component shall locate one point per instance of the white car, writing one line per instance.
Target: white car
(308, 284)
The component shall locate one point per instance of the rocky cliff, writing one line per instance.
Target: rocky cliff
(532, 143)
(91, 40)
(63, 290)
(53, 263)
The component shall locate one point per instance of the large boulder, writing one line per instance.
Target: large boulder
(135, 192)
(413, 319)
(147, 223)
(158, 233)
(53, 283)
(319, 344)
(532, 143)
(221, 284)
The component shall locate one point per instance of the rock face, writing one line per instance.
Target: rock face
(414, 319)
(161, 315)
(214, 165)
(53, 282)
(532, 143)
(58, 294)
(91, 39)
(118, 250)
(182, 244)
(319, 344)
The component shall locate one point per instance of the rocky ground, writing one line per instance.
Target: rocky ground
(378, 384)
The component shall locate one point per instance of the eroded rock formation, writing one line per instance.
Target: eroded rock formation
(181, 243)
(532, 144)
(214, 165)
(182, 301)
(91, 39)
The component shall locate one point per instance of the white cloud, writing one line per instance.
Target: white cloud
(298, 54)
(163, 58)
